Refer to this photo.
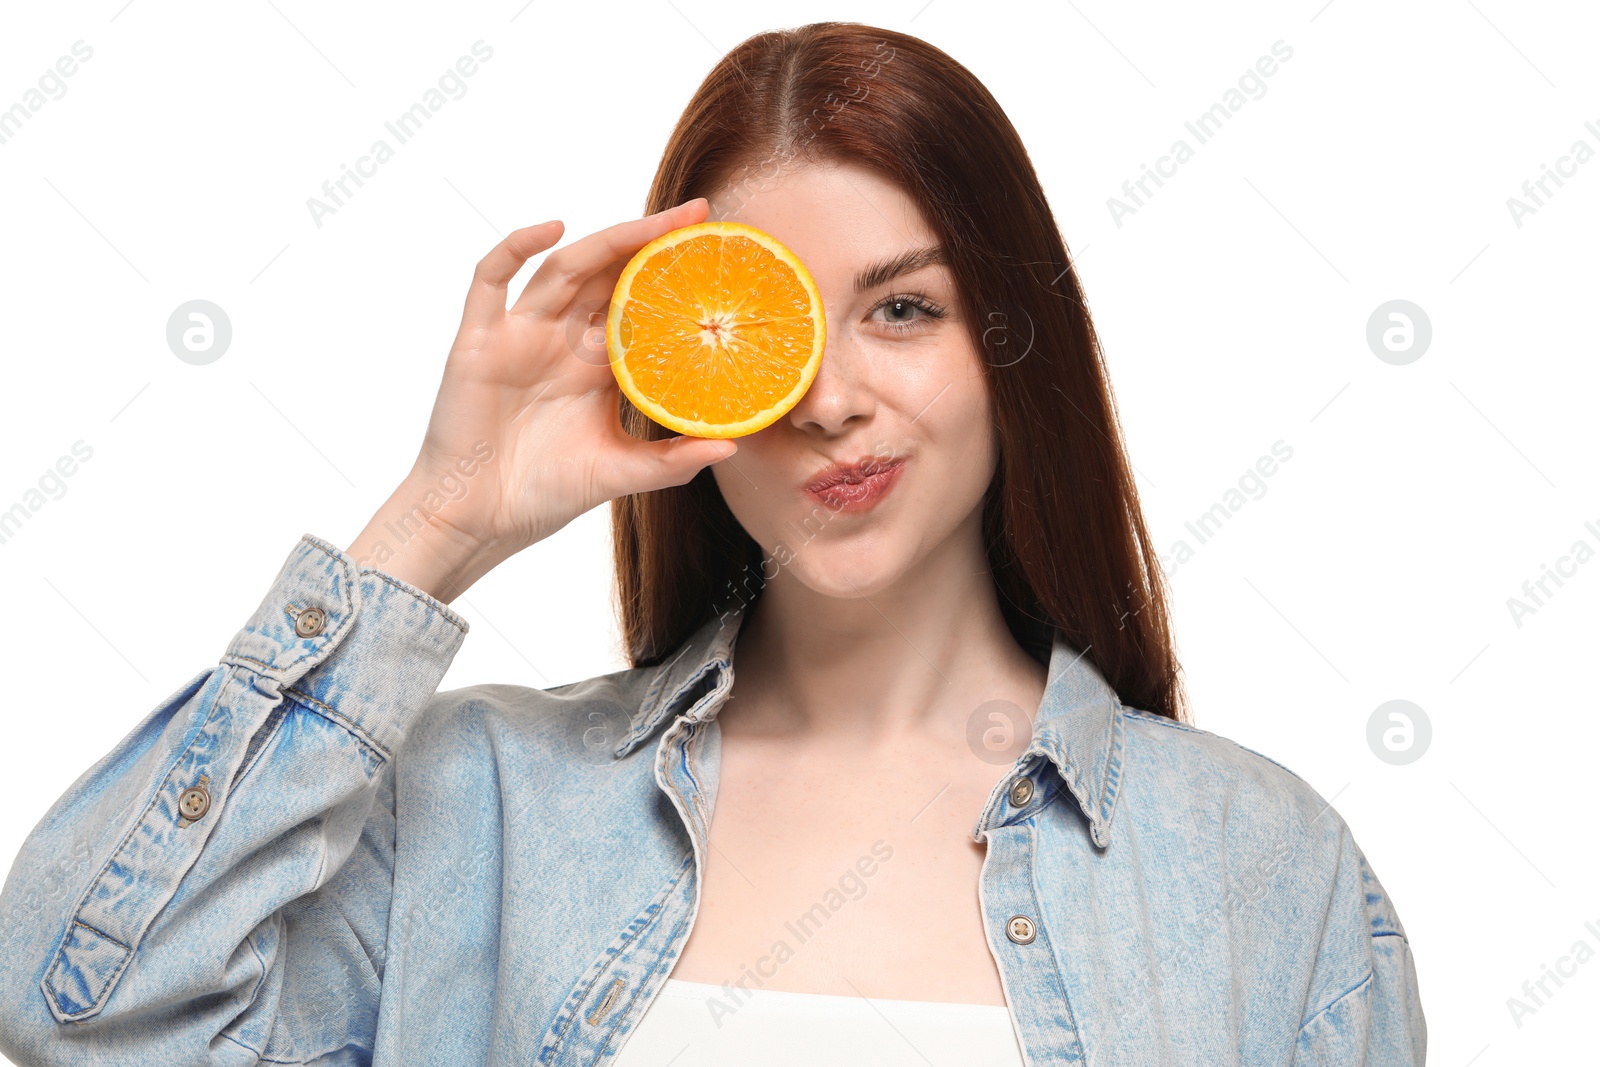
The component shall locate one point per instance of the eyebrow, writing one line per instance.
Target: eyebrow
(906, 262)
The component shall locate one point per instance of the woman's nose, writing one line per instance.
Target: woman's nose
(840, 395)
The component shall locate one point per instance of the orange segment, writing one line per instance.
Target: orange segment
(715, 329)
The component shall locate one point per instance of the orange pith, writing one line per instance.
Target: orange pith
(715, 329)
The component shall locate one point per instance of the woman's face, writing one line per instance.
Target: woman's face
(900, 391)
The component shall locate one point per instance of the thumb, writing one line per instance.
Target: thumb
(676, 460)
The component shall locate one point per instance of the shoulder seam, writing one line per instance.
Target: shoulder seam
(1140, 713)
(1175, 725)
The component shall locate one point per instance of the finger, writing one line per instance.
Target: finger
(486, 296)
(562, 274)
(648, 465)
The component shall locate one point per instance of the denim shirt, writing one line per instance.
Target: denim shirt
(309, 855)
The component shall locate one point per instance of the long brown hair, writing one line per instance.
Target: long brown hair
(1063, 529)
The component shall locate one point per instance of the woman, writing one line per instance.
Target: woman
(946, 812)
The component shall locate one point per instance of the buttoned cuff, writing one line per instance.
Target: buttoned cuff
(357, 641)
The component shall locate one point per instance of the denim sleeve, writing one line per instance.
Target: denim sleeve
(215, 890)
(1376, 1019)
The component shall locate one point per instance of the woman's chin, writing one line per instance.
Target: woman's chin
(847, 575)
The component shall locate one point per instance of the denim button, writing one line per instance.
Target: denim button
(194, 802)
(309, 622)
(1021, 791)
(1020, 929)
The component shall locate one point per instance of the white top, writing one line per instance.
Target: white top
(696, 1024)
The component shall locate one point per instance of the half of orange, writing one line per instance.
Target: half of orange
(715, 329)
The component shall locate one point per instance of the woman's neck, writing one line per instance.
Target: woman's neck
(915, 659)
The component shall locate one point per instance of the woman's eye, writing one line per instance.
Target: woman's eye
(907, 312)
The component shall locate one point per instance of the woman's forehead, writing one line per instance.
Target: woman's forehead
(838, 218)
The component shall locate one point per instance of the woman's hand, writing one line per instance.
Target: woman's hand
(521, 388)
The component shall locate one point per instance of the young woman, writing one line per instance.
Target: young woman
(899, 772)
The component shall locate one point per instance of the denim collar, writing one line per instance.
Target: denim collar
(1078, 728)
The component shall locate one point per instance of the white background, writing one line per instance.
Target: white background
(1233, 305)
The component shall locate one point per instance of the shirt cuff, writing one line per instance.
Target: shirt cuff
(360, 626)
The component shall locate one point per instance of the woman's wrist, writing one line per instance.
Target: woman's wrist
(409, 541)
